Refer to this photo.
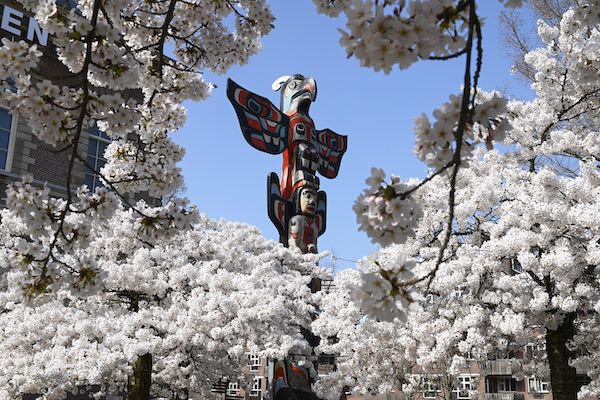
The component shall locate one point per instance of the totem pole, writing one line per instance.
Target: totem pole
(295, 204)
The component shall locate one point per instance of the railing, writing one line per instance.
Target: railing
(504, 396)
(583, 370)
(325, 369)
(395, 396)
(500, 367)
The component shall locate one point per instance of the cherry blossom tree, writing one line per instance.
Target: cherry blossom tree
(459, 227)
(400, 33)
(379, 356)
(128, 66)
(519, 34)
(193, 305)
(514, 256)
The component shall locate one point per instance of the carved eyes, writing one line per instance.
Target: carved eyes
(300, 129)
(293, 84)
(308, 194)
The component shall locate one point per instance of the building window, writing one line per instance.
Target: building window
(254, 362)
(326, 363)
(536, 349)
(534, 385)
(233, 389)
(431, 386)
(7, 127)
(256, 387)
(507, 384)
(465, 387)
(431, 299)
(97, 143)
(460, 291)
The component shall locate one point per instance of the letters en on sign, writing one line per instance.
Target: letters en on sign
(16, 23)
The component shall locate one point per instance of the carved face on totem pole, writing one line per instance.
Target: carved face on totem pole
(307, 201)
(306, 151)
(304, 225)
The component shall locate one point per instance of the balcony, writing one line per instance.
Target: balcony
(583, 370)
(504, 396)
(501, 367)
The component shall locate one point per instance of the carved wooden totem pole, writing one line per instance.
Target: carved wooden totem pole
(295, 204)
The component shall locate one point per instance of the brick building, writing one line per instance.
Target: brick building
(236, 388)
(494, 379)
(21, 153)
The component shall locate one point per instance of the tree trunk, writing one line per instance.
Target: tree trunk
(138, 387)
(563, 377)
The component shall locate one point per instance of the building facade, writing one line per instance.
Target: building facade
(21, 153)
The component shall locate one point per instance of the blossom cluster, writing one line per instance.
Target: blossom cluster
(156, 223)
(384, 211)
(57, 224)
(386, 290)
(486, 123)
(69, 227)
(18, 58)
(398, 32)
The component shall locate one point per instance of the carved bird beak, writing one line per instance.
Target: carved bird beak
(308, 90)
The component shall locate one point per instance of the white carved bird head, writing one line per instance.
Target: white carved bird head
(297, 92)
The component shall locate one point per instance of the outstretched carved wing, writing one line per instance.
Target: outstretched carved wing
(278, 208)
(331, 147)
(321, 212)
(263, 125)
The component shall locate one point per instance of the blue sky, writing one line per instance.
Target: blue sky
(226, 178)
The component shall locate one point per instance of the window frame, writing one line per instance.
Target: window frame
(233, 389)
(14, 121)
(89, 171)
(256, 387)
(537, 385)
(431, 386)
(508, 385)
(254, 361)
(462, 381)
